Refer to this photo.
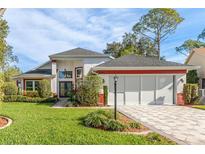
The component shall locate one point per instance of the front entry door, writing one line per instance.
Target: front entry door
(65, 88)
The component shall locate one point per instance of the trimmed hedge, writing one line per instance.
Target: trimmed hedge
(190, 92)
(32, 93)
(20, 98)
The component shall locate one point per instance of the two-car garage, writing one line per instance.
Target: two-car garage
(142, 89)
(143, 80)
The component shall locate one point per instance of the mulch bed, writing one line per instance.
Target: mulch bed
(124, 119)
(3, 122)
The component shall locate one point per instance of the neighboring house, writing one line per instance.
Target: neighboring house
(141, 80)
(63, 69)
(197, 57)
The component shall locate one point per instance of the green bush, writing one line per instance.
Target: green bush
(32, 93)
(10, 88)
(192, 77)
(105, 91)
(95, 120)
(20, 98)
(88, 90)
(44, 88)
(190, 92)
(154, 138)
(134, 125)
(114, 125)
(104, 120)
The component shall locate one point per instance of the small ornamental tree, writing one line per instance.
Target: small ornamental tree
(10, 88)
(192, 77)
(44, 88)
(88, 90)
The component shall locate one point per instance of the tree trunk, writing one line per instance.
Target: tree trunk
(158, 45)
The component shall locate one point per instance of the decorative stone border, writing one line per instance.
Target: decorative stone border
(8, 124)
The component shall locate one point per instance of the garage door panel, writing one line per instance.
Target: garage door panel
(120, 99)
(164, 93)
(147, 90)
(132, 85)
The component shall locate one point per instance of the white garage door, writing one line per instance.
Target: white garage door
(145, 90)
(132, 85)
(164, 93)
(120, 91)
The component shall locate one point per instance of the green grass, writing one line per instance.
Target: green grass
(41, 124)
(199, 107)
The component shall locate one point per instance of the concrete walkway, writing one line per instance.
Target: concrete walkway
(182, 124)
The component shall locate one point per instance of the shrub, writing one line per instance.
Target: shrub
(44, 88)
(190, 92)
(32, 93)
(95, 120)
(104, 120)
(154, 138)
(192, 77)
(88, 89)
(105, 91)
(10, 88)
(114, 125)
(134, 125)
(20, 98)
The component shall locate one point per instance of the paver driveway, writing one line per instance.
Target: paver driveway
(183, 124)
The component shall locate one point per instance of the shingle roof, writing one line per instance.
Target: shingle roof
(39, 71)
(79, 52)
(138, 61)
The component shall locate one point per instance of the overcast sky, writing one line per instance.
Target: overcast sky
(37, 33)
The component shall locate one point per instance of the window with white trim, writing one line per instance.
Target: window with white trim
(65, 74)
(79, 72)
(32, 85)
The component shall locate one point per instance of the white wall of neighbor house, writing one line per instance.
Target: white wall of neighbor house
(143, 89)
(54, 80)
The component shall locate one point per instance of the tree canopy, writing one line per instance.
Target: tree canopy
(6, 54)
(190, 44)
(157, 24)
(147, 34)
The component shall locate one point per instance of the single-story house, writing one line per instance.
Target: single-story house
(141, 80)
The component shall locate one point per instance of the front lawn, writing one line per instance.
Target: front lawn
(41, 124)
(199, 107)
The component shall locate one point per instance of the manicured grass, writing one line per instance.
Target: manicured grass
(41, 124)
(199, 107)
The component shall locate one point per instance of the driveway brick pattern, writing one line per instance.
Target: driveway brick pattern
(184, 125)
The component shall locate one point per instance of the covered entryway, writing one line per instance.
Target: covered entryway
(142, 89)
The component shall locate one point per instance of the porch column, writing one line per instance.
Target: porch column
(54, 80)
(174, 90)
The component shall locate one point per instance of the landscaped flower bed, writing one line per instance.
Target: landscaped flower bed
(102, 119)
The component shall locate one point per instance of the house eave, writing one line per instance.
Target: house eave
(148, 68)
(33, 76)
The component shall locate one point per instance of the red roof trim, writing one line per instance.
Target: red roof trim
(141, 71)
